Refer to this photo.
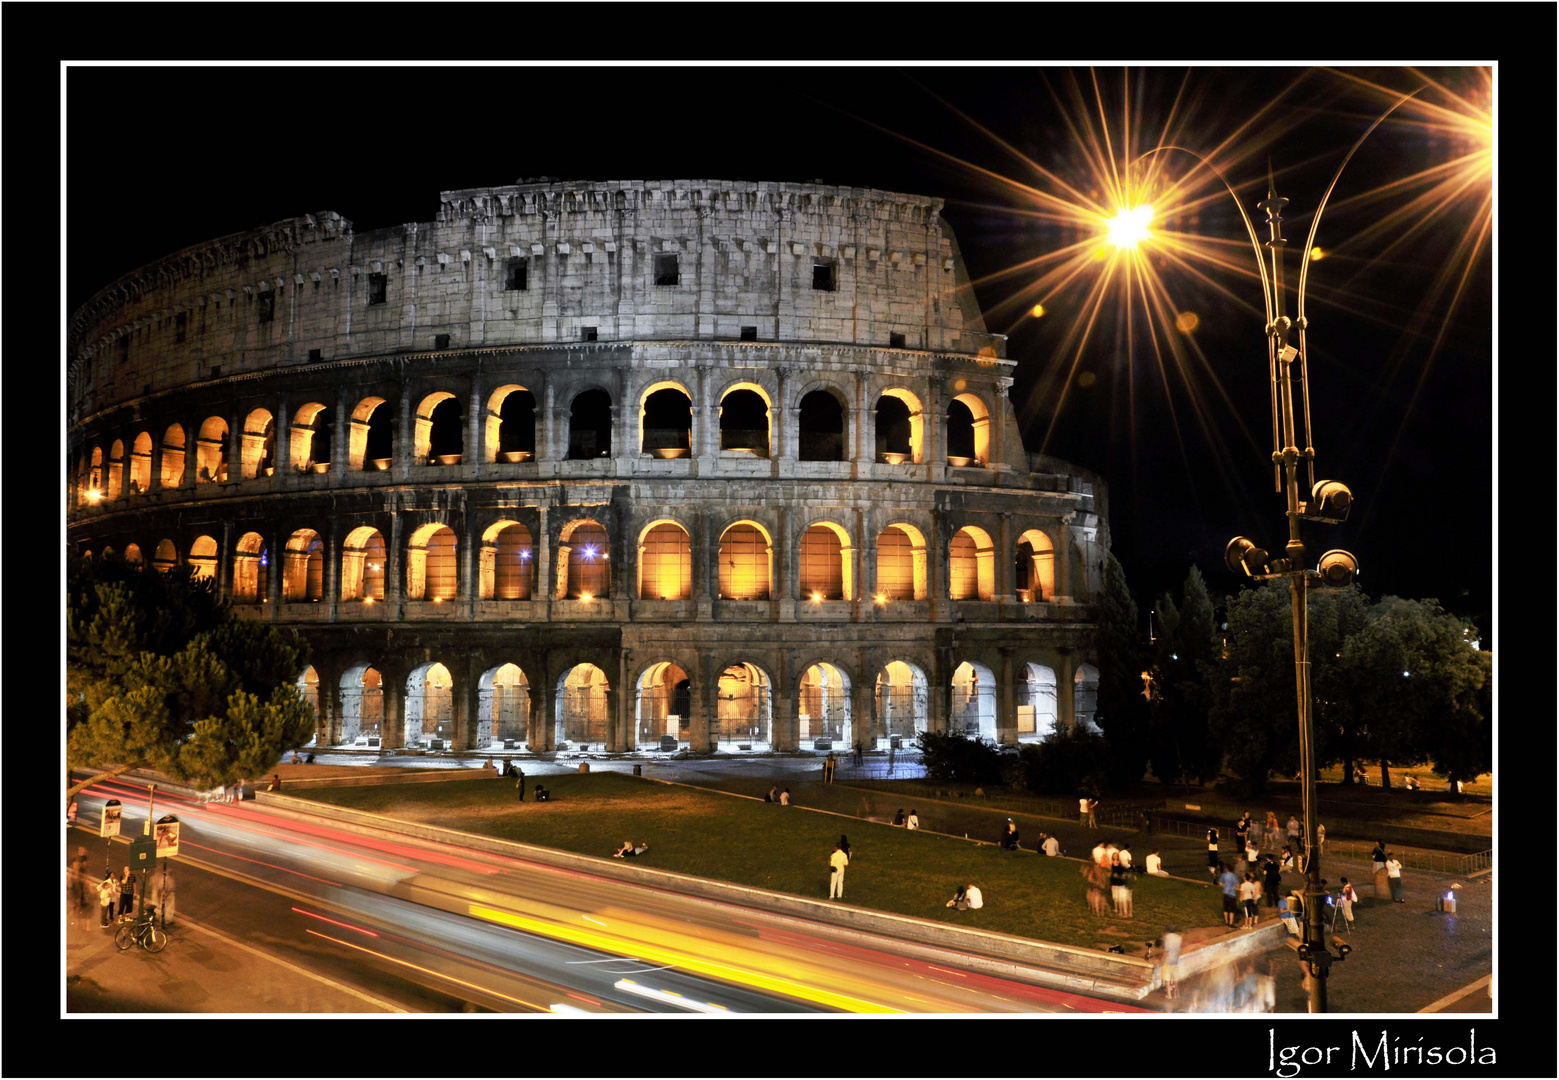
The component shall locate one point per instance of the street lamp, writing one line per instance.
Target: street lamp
(1328, 503)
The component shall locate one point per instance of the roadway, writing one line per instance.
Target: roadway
(427, 928)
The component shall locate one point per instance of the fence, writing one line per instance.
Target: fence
(1435, 862)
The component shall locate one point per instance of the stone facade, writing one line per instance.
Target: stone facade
(744, 449)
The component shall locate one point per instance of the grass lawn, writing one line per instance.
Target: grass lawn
(786, 849)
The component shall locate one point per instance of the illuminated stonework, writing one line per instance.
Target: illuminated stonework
(624, 465)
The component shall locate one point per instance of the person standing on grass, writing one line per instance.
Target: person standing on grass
(1231, 893)
(836, 864)
(1394, 877)
(1120, 888)
(1093, 806)
(1213, 863)
(1378, 860)
(519, 782)
(1082, 811)
(1274, 834)
(1097, 878)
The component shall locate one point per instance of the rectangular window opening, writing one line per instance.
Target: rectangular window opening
(587, 333)
(376, 288)
(666, 267)
(749, 333)
(180, 326)
(823, 276)
(518, 278)
(441, 341)
(267, 306)
(895, 341)
(315, 356)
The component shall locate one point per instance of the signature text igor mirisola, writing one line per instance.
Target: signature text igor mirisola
(1365, 1051)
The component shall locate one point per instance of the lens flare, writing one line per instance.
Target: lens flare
(1129, 228)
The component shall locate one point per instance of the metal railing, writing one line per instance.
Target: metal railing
(1435, 862)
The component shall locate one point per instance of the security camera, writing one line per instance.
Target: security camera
(1337, 569)
(1329, 502)
(1243, 555)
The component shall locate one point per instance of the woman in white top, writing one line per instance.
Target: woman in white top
(912, 822)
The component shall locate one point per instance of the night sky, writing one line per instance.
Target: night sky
(1401, 376)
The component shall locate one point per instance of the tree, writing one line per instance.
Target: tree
(1070, 761)
(955, 758)
(1123, 712)
(1181, 743)
(1255, 706)
(159, 674)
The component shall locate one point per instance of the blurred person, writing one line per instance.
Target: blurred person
(1274, 834)
(1272, 880)
(1120, 887)
(1248, 899)
(1231, 893)
(107, 896)
(630, 851)
(1214, 864)
(898, 819)
(1097, 878)
(1349, 898)
(1169, 971)
(836, 867)
(844, 846)
(1009, 837)
(519, 782)
(1394, 876)
(785, 797)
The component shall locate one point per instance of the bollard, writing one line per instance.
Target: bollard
(584, 766)
(638, 770)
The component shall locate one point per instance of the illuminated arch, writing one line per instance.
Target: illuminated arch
(580, 709)
(903, 700)
(211, 451)
(1036, 567)
(1085, 701)
(251, 570)
(172, 472)
(974, 701)
(362, 705)
(826, 563)
(364, 555)
(971, 565)
(308, 440)
(584, 561)
(665, 423)
(823, 705)
(510, 437)
(969, 431)
(203, 557)
(423, 441)
(166, 557)
(1037, 706)
(901, 428)
(431, 571)
(663, 705)
(742, 429)
(503, 708)
(506, 563)
(430, 712)
(141, 464)
(257, 444)
(367, 418)
(303, 567)
(133, 554)
(746, 559)
(665, 562)
(116, 454)
(901, 563)
(744, 709)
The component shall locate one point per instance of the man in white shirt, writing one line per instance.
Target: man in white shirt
(968, 896)
(1394, 877)
(1156, 865)
(836, 864)
(1099, 855)
(1050, 845)
(1125, 854)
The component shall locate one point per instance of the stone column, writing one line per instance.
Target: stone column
(283, 454)
(1006, 595)
(1006, 703)
(476, 429)
(405, 439)
(863, 721)
(862, 453)
(704, 707)
(272, 547)
(393, 688)
(1064, 560)
(394, 566)
(464, 707)
(1066, 691)
(543, 587)
(225, 562)
(540, 737)
(625, 737)
(332, 575)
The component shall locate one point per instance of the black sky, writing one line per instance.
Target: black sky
(231, 148)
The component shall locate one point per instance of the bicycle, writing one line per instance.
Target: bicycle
(143, 932)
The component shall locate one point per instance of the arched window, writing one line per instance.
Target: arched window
(665, 563)
(211, 452)
(585, 553)
(203, 557)
(363, 558)
(95, 476)
(511, 425)
(133, 554)
(503, 708)
(744, 422)
(257, 445)
(821, 428)
(974, 701)
(901, 563)
(303, 567)
(172, 472)
(166, 557)
(116, 455)
(902, 700)
(372, 435)
(663, 705)
(968, 431)
(900, 428)
(1085, 701)
(362, 706)
(825, 563)
(439, 438)
(743, 704)
(308, 688)
(590, 426)
(824, 707)
(141, 463)
(1037, 707)
(1035, 577)
(971, 565)
(744, 563)
(666, 418)
(310, 437)
(508, 565)
(248, 571)
(430, 564)
(581, 709)
(430, 707)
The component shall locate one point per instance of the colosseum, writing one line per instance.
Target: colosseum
(603, 466)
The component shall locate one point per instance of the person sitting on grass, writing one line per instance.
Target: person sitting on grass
(967, 896)
(628, 851)
(1156, 864)
(542, 794)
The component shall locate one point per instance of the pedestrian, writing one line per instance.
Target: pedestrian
(967, 898)
(890, 759)
(1213, 863)
(490, 765)
(859, 753)
(1156, 864)
(1394, 877)
(913, 821)
(1248, 899)
(1082, 811)
(167, 885)
(1101, 855)
(70, 812)
(78, 880)
(1272, 880)
(1274, 834)
(126, 893)
(1251, 854)
(519, 782)
(785, 797)
(1231, 893)
(238, 790)
(1049, 845)
(1009, 836)
(1286, 862)
(1097, 877)
(1120, 887)
(1169, 972)
(1349, 898)
(773, 795)
(828, 768)
(107, 896)
(1093, 805)
(1241, 831)
(836, 864)
(1378, 861)
(1293, 832)
(898, 819)
(1126, 856)
(1320, 839)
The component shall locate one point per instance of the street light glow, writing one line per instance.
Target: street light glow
(1129, 228)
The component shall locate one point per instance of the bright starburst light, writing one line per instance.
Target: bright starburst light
(1130, 228)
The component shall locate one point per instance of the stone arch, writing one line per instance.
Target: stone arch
(663, 705)
(308, 690)
(665, 561)
(95, 475)
(901, 563)
(746, 562)
(744, 719)
(371, 436)
(974, 701)
(510, 425)
(1037, 703)
(590, 425)
(166, 557)
(211, 451)
(825, 563)
(503, 708)
(746, 420)
(584, 555)
(900, 427)
(116, 455)
(439, 436)
(362, 705)
(133, 554)
(507, 566)
(432, 572)
(141, 464)
(303, 567)
(203, 557)
(257, 445)
(1085, 701)
(903, 700)
(364, 556)
(251, 570)
(822, 424)
(308, 440)
(1035, 578)
(968, 430)
(171, 474)
(823, 707)
(971, 565)
(582, 706)
(430, 707)
(665, 420)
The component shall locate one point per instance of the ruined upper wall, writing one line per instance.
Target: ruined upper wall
(746, 255)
